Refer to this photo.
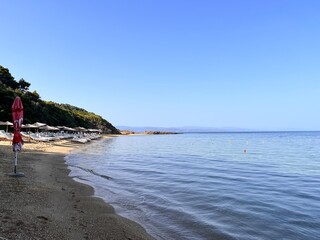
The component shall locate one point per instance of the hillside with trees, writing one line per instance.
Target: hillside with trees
(38, 110)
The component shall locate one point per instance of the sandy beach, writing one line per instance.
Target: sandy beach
(48, 204)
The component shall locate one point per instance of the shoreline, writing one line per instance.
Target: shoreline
(49, 204)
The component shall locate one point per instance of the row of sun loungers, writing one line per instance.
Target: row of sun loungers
(47, 136)
(61, 132)
(85, 138)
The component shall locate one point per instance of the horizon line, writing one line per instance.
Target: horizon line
(219, 129)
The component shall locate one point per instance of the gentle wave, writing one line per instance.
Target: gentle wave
(205, 186)
(93, 172)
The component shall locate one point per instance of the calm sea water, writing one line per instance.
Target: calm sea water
(204, 186)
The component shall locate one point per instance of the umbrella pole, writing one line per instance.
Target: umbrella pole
(15, 161)
(15, 173)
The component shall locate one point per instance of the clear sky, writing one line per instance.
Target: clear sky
(170, 63)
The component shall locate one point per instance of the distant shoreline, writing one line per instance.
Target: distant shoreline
(196, 129)
(128, 132)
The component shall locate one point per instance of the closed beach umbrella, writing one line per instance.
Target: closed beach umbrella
(17, 117)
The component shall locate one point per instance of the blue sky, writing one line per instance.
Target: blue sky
(170, 63)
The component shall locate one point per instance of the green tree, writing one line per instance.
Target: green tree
(23, 85)
(37, 110)
(31, 96)
(7, 79)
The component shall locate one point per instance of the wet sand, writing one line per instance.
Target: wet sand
(48, 204)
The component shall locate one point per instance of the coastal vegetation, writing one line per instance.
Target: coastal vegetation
(38, 110)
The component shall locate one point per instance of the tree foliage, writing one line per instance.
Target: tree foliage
(7, 79)
(23, 85)
(37, 110)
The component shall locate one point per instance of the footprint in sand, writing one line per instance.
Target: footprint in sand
(43, 218)
(19, 223)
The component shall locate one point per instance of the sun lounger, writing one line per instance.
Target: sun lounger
(39, 138)
(5, 136)
(80, 139)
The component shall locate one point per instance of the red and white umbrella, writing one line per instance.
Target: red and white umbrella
(17, 142)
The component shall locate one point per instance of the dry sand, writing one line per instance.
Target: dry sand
(48, 204)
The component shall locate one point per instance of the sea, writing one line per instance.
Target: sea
(258, 186)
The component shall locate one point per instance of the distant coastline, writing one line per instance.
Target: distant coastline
(194, 129)
(128, 132)
(184, 129)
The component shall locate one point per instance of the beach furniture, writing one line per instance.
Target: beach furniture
(80, 139)
(5, 136)
(39, 138)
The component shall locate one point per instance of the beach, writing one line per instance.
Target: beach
(48, 204)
